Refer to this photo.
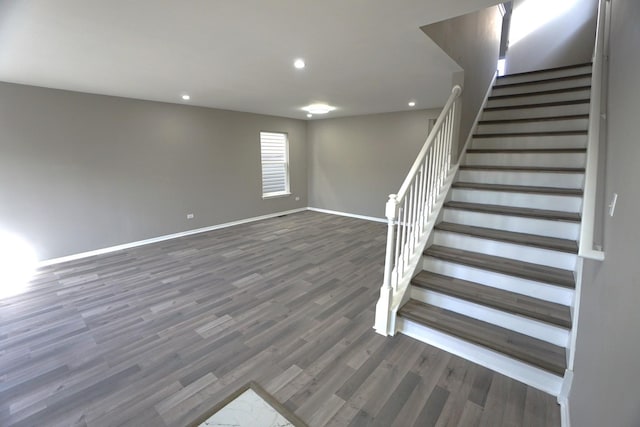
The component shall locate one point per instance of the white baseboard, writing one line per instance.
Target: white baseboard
(81, 255)
(368, 218)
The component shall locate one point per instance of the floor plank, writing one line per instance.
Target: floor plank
(157, 335)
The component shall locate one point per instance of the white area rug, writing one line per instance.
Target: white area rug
(250, 406)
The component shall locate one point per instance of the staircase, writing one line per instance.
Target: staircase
(497, 283)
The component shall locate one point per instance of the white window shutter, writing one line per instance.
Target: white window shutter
(275, 163)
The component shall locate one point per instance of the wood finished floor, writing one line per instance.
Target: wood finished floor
(157, 335)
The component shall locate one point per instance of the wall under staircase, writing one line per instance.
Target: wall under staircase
(498, 277)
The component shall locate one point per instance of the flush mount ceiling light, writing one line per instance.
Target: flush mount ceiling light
(299, 63)
(186, 97)
(412, 103)
(318, 108)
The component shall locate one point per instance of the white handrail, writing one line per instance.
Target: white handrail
(586, 248)
(412, 210)
(455, 93)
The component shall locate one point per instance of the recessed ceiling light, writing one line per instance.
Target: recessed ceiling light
(309, 115)
(412, 103)
(186, 97)
(318, 108)
(299, 63)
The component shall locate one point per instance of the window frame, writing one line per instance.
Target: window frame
(287, 181)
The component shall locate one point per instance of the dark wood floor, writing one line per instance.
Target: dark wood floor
(157, 335)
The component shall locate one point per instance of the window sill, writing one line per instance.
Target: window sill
(276, 195)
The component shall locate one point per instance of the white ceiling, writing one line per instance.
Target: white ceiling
(363, 56)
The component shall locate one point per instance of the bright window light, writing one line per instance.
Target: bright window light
(17, 264)
(530, 15)
(502, 63)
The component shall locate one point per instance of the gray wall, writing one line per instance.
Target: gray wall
(606, 388)
(473, 41)
(356, 162)
(80, 172)
(566, 39)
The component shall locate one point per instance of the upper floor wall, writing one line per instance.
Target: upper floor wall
(473, 41)
(550, 33)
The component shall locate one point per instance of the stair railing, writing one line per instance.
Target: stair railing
(411, 213)
(586, 249)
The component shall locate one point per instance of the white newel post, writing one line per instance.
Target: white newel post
(383, 322)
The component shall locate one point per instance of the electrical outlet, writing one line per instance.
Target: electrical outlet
(297, 198)
(190, 216)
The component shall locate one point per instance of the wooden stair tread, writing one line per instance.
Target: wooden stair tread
(510, 267)
(544, 242)
(517, 134)
(514, 211)
(540, 105)
(499, 299)
(535, 352)
(519, 188)
(542, 92)
(534, 119)
(522, 169)
(564, 67)
(543, 81)
(528, 150)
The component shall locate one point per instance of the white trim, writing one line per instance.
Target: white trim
(81, 255)
(328, 211)
(575, 313)
(563, 398)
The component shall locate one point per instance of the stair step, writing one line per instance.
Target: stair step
(534, 119)
(499, 299)
(535, 86)
(540, 169)
(539, 81)
(536, 73)
(544, 92)
(538, 353)
(563, 245)
(515, 211)
(556, 95)
(537, 134)
(519, 189)
(525, 270)
(542, 124)
(528, 150)
(533, 141)
(541, 105)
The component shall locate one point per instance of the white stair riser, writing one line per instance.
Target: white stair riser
(526, 142)
(520, 200)
(523, 372)
(527, 326)
(540, 290)
(536, 179)
(560, 160)
(538, 87)
(538, 126)
(539, 99)
(518, 224)
(530, 254)
(537, 112)
(552, 74)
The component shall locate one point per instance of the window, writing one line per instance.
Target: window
(274, 149)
